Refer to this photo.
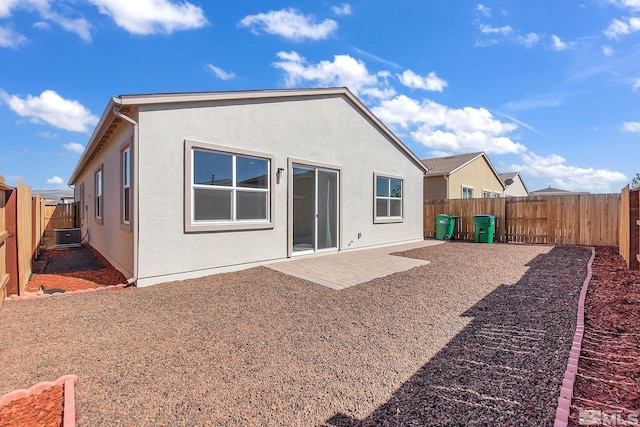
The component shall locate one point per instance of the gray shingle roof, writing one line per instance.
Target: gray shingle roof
(508, 175)
(448, 164)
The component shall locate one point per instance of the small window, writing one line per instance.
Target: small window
(388, 202)
(99, 187)
(496, 195)
(467, 192)
(228, 190)
(126, 184)
(486, 194)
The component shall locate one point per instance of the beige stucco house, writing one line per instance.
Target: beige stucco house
(464, 176)
(174, 186)
(514, 185)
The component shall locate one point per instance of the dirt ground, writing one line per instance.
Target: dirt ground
(72, 269)
(608, 378)
(480, 336)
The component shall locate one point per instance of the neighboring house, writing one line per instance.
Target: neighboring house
(465, 176)
(184, 185)
(550, 191)
(514, 185)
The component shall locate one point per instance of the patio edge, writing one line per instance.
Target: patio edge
(69, 408)
(566, 389)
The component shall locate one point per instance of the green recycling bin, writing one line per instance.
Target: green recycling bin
(484, 228)
(444, 226)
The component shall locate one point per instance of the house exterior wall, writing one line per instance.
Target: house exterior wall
(322, 130)
(478, 175)
(108, 236)
(435, 187)
(517, 189)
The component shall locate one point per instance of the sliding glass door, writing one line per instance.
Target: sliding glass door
(315, 209)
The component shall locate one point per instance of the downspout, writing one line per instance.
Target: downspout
(446, 178)
(134, 192)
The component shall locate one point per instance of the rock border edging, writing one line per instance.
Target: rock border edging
(566, 390)
(30, 297)
(69, 408)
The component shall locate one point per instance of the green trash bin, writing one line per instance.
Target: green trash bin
(444, 226)
(484, 228)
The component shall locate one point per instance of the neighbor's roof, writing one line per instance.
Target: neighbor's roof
(550, 189)
(509, 175)
(443, 166)
(512, 175)
(109, 121)
(449, 164)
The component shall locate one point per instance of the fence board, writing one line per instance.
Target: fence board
(629, 234)
(61, 215)
(585, 219)
(4, 234)
(25, 239)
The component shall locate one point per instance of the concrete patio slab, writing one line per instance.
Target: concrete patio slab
(346, 269)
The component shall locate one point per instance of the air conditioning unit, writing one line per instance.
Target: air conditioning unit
(67, 237)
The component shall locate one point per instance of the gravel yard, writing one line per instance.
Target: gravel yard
(479, 336)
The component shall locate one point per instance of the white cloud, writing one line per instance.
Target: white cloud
(53, 109)
(10, 38)
(55, 180)
(43, 25)
(430, 82)
(631, 4)
(619, 28)
(342, 71)
(535, 102)
(289, 24)
(48, 135)
(448, 129)
(343, 10)
(79, 25)
(7, 6)
(569, 177)
(631, 127)
(375, 58)
(558, 44)
(529, 40)
(607, 50)
(152, 16)
(74, 147)
(636, 84)
(488, 29)
(220, 73)
(484, 10)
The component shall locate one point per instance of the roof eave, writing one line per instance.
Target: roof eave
(125, 100)
(105, 121)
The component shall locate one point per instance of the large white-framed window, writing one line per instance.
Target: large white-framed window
(227, 188)
(99, 192)
(125, 191)
(388, 203)
(467, 192)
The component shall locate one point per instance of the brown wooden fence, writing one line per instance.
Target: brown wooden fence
(19, 242)
(584, 219)
(23, 221)
(630, 227)
(59, 216)
(4, 236)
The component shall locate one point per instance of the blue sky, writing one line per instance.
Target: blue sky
(547, 88)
